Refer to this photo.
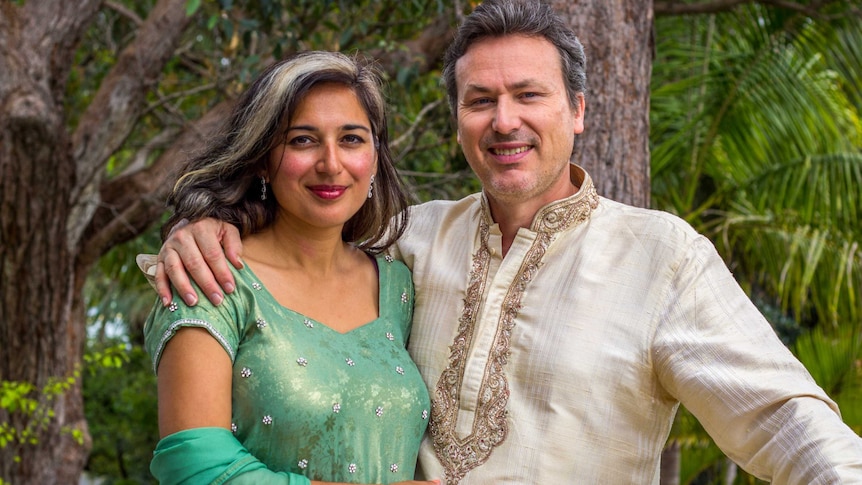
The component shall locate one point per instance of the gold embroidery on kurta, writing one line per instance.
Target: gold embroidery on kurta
(490, 427)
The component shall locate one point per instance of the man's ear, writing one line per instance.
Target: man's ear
(578, 111)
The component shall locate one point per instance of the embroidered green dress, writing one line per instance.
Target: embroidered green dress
(308, 400)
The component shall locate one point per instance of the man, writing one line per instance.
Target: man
(558, 331)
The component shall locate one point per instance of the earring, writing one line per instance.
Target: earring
(262, 188)
(371, 187)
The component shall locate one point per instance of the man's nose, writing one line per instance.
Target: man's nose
(507, 116)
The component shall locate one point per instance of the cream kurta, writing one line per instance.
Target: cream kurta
(573, 352)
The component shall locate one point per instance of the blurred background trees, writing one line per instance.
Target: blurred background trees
(755, 140)
(749, 129)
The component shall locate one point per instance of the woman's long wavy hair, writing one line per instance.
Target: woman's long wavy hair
(224, 181)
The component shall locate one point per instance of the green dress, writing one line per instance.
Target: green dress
(309, 400)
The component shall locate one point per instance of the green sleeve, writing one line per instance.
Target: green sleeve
(214, 456)
(224, 322)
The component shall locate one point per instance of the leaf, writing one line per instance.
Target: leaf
(192, 6)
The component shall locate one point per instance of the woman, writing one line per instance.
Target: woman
(302, 372)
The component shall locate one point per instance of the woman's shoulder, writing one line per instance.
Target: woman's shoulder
(226, 322)
(392, 268)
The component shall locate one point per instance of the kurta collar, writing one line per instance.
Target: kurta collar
(560, 214)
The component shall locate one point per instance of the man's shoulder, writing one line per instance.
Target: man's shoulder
(440, 209)
(643, 222)
(441, 204)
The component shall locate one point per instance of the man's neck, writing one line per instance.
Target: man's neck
(512, 215)
(510, 218)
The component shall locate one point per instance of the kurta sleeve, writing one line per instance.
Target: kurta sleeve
(721, 359)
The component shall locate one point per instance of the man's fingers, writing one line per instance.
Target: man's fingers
(171, 266)
(209, 235)
(163, 284)
(190, 261)
(195, 250)
(232, 246)
(179, 225)
(214, 275)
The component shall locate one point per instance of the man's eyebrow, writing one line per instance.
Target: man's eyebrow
(526, 83)
(477, 88)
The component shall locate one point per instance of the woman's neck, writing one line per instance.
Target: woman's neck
(318, 253)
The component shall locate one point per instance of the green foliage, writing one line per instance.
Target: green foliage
(121, 410)
(834, 362)
(117, 296)
(192, 6)
(755, 140)
(30, 410)
(427, 155)
(119, 387)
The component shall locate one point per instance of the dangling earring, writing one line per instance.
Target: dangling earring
(371, 187)
(262, 188)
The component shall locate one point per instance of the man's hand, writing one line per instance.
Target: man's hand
(199, 248)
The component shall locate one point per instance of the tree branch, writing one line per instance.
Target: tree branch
(125, 12)
(425, 51)
(131, 202)
(419, 117)
(117, 105)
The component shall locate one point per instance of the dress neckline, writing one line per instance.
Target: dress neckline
(307, 319)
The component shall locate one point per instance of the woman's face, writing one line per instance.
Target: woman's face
(321, 172)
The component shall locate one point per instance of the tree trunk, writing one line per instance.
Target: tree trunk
(670, 464)
(41, 342)
(48, 193)
(618, 40)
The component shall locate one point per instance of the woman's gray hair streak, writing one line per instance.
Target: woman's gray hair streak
(224, 181)
(532, 18)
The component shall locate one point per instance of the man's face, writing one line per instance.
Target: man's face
(515, 123)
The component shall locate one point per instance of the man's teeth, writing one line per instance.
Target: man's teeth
(510, 151)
